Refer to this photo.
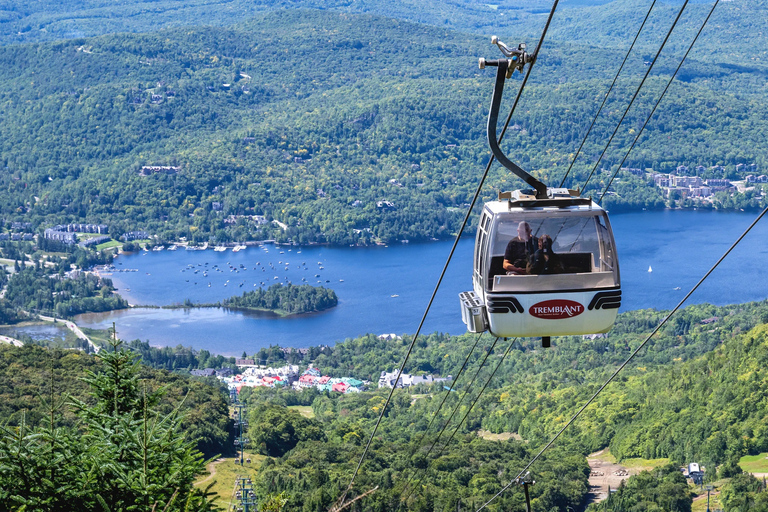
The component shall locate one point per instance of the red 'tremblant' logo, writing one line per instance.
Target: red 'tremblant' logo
(556, 309)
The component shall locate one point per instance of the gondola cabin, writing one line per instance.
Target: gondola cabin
(562, 274)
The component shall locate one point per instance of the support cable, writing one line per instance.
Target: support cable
(659, 101)
(453, 249)
(637, 91)
(445, 397)
(629, 359)
(455, 431)
(504, 356)
(451, 389)
(605, 98)
(450, 418)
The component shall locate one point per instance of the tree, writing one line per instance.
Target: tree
(275, 430)
(123, 455)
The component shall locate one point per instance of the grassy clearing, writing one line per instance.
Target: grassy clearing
(226, 471)
(754, 463)
(643, 464)
(304, 410)
(107, 245)
(99, 336)
(604, 455)
(638, 464)
(504, 436)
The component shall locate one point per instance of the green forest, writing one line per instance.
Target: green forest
(286, 299)
(353, 124)
(693, 394)
(380, 138)
(709, 371)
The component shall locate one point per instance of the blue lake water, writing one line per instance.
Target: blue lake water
(680, 246)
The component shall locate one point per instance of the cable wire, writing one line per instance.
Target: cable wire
(504, 356)
(625, 363)
(450, 389)
(631, 147)
(704, 23)
(453, 249)
(637, 91)
(605, 98)
(450, 418)
(445, 397)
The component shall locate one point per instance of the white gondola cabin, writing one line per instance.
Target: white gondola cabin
(545, 261)
(577, 292)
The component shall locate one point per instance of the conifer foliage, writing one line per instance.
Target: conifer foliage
(123, 455)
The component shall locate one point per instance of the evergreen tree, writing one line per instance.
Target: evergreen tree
(124, 455)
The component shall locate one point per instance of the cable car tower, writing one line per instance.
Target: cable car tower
(545, 261)
(241, 423)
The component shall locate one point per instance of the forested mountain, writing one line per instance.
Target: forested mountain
(602, 23)
(695, 393)
(346, 128)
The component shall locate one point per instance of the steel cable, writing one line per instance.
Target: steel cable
(637, 91)
(605, 98)
(453, 249)
(631, 147)
(450, 418)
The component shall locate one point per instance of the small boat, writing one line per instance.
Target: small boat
(394, 295)
(677, 288)
(650, 269)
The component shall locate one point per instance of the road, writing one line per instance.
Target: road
(12, 341)
(75, 329)
(605, 475)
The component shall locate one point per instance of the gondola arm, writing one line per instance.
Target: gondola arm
(493, 118)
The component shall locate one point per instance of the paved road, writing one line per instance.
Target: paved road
(12, 341)
(75, 329)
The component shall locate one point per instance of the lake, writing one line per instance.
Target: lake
(386, 289)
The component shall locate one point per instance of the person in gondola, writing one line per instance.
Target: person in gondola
(544, 260)
(520, 250)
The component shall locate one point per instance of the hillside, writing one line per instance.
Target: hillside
(529, 398)
(27, 373)
(603, 23)
(696, 392)
(315, 119)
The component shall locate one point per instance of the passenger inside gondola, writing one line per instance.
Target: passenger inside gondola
(544, 260)
(520, 251)
(524, 253)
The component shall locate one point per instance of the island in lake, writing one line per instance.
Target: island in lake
(285, 299)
